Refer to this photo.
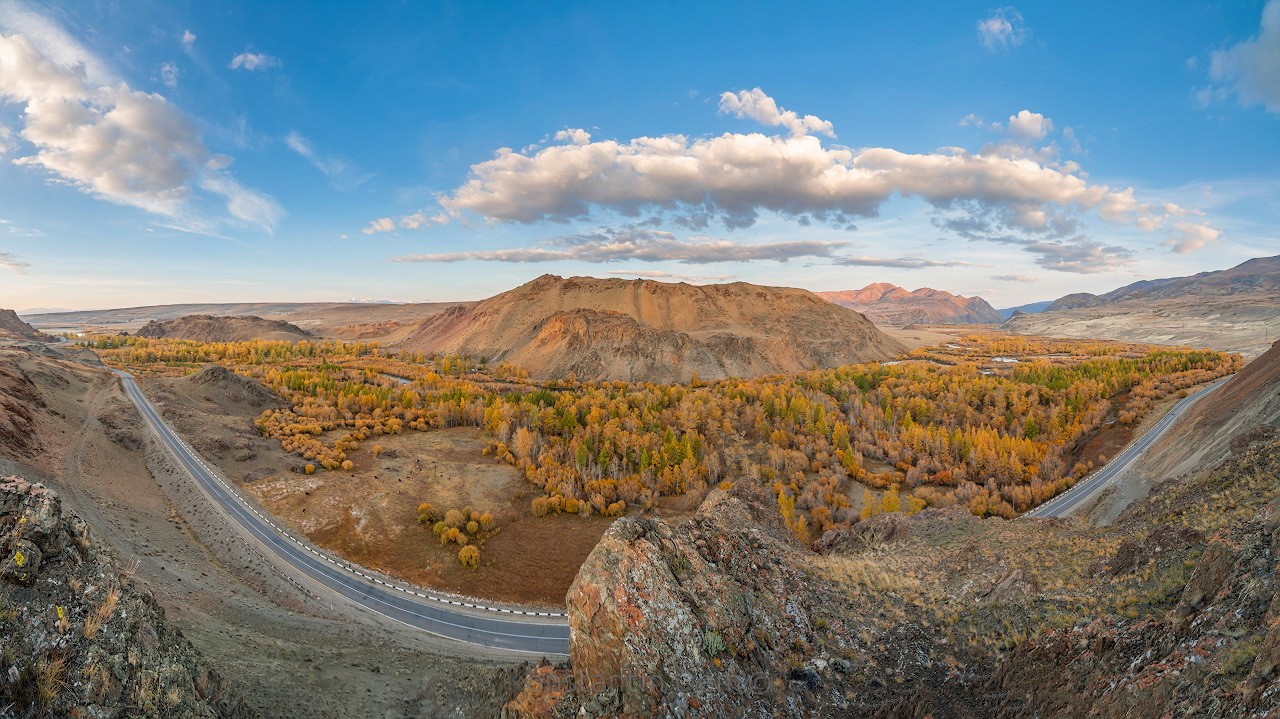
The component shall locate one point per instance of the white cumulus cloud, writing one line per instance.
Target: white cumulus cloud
(1029, 126)
(188, 39)
(93, 131)
(1187, 237)
(758, 106)
(1009, 191)
(382, 224)
(1252, 68)
(1004, 29)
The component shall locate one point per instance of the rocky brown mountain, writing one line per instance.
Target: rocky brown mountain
(641, 330)
(207, 328)
(1236, 310)
(12, 327)
(888, 304)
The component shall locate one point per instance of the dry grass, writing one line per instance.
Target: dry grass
(49, 680)
(102, 613)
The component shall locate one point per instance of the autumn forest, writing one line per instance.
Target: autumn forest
(992, 422)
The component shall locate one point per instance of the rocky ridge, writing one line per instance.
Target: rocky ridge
(79, 638)
(207, 328)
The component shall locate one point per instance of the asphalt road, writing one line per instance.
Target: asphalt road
(503, 628)
(1065, 503)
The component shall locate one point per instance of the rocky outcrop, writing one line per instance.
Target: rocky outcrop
(20, 403)
(79, 638)
(885, 303)
(12, 327)
(641, 330)
(723, 616)
(687, 621)
(236, 388)
(207, 328)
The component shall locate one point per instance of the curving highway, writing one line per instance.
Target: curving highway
(502, 628)
(1067, 502)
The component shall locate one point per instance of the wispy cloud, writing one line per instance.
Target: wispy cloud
(169, 74)
(639, 244)
(342, 176)
(1016, 278)
(253, 61)
(905, 263)
(678, 276)
(10, 262)
(1004, 29)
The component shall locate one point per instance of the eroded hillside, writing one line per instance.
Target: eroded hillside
(641, 330)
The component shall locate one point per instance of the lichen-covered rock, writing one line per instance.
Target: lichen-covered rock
(22, 565)
(78, 638)
(679, 621)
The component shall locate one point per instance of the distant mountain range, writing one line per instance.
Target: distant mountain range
(1236, 310)
(889, 304)
(1027, 309)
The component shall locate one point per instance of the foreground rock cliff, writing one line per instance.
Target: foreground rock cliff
(1171, 612)
(78, 638)
(641, 330)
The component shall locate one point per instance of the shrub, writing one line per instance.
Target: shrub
(309, 469)
(454, 518)
(469, 557)
(473, 527)
(426, 513)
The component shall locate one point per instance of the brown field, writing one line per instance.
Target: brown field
(369, 515)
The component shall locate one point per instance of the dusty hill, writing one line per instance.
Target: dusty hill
(888, 304)
(206, 328)
(12, 327)
(654, 331)
(1236, 310)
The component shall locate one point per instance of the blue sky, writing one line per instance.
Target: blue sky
(158, 152)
